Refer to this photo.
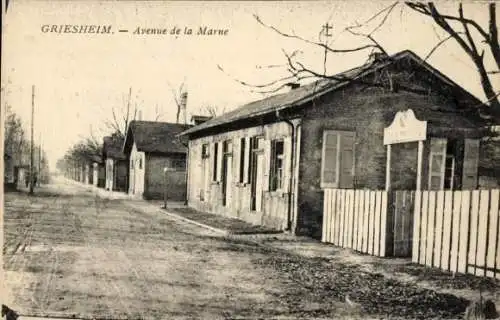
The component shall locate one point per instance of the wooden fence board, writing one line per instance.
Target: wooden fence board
(366, 225)
(416, 226)
(423, 230)
(350, 215)
(455, 231)
(341, 218)
(471, 260)
(338, 217)
(355, 224)
(332, 222)
(447, 219)
(326, 215)
(372, 222)
(482, 232)
(492, 233)
(383, 224)
(464, 227)
(431, 222)
(438, 232)
(376, 236)
(361, 226)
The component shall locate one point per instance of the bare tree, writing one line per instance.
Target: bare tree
(212, 111)
(14, 138)
(366, 31)
(461, 29)
(120, 120)
(179, 96)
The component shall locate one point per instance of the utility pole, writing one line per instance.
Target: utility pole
(32, 171)
(40, 159)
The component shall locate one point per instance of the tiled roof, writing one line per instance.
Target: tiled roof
(303, 94)
(160, 137)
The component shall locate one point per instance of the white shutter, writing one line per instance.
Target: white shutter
(246, 178)
(470, 164)
(437, 162)
(330, 159)
(346, 166)
(266, 146)
(287, 152)
(236, 161)
(212, 158)
(220, 157)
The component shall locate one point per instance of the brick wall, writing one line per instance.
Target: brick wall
(366, 112)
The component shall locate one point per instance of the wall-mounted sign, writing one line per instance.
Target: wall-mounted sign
(405, 128)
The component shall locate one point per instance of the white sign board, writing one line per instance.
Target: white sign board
(405, 128)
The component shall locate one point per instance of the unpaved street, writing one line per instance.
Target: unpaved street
(70, 253)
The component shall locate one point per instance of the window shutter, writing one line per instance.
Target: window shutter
(246, 178)
(437, 161)
(471, 162)
(266, 146)
(236, 161)
(220, 157)
(287, 152)
(213, 157)
(346, 173)
(329, 163)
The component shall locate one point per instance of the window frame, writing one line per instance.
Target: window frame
(215, 163)
(276, 185)
(338, 159)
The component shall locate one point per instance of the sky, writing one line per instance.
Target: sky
(80, 78)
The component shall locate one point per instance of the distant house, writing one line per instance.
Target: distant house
(152, 147)
(270, 161)
(115, 163)
(8, 169)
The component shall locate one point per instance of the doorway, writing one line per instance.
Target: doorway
(256, 173)
(227, 174)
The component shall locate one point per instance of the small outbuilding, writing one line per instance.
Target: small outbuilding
(157, 159)
(115, 163)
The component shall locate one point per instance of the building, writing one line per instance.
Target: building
(152, 148)
(8, 169)
(270, 161)
(115, 163)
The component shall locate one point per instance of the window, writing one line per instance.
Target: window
(140, 163)
(337, 165)
(277, 158)
(179, 164)
(255, 145)
(242, 160)
(437, 163)
(204, 151)
(131, 164)
(216, 161)
(470, 165)
(227, 147)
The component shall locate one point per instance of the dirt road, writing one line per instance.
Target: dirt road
(70, 253)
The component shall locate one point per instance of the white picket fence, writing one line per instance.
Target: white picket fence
(458, 231)
(356, 219)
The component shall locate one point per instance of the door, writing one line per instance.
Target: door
(227, 180)
(226, 173)
(259, 181)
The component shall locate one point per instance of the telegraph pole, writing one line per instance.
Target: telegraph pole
(32, 171)
(40, 159)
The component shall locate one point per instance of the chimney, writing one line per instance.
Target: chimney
(139, 115)
(377, 57)
(183, 103)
